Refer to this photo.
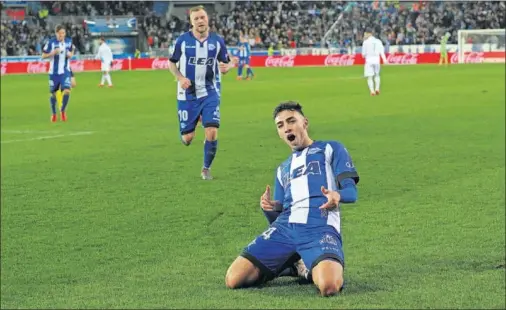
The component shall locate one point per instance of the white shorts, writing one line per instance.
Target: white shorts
(105, 67)
(371, 70)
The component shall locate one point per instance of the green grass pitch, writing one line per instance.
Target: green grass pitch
(108, 210)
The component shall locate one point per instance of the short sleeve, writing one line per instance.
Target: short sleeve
(176, 55)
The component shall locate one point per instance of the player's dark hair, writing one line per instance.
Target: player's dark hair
(58, 28)
(287, 106)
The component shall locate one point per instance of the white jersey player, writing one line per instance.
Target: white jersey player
(372, 50)
(105, 55)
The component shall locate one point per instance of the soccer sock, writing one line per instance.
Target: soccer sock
(249, 72)
(371, 84)
(377, 81)
(103, 80)
(65, 101)
(210, 148)
(52, 100)
(239, 71)
(271, 216)
(108, 78)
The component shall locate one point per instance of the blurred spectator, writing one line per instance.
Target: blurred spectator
(279, 24)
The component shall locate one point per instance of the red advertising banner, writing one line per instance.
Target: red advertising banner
(337, 60)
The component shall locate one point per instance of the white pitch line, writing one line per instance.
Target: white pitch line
(80, 133)
(30, 131)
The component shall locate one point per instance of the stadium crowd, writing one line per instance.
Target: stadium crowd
(281, 24)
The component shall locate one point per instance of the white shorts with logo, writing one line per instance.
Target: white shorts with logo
(371, 69)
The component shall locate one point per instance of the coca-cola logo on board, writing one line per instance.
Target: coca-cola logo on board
(340, 60)
(284, 61)
(36, 67)
(404, 59)
(159, 64)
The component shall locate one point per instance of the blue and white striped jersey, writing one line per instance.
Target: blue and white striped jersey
(299, 180)
(59, 63)
(198, 63)
(244, 52)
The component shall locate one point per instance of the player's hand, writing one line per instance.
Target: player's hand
(185, 83)
(333, 198)
(69, 54)
(56, 51)
(267, 204)
(224, 68)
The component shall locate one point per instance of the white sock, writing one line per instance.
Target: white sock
(102, 81)
(108, 78)
(377, 81)
(370, 83)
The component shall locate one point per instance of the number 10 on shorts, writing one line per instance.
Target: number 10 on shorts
(183, 115)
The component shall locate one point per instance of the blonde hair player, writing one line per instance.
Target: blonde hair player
(202, 56)
(59, 50)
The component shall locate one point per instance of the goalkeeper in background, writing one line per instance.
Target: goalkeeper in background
(442, 48)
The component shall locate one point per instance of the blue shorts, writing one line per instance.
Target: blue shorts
(275, 249)
(59, 82)
(243, 61)
(189, 112)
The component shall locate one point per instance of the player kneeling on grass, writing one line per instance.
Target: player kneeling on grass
(59, 50)
(305, 216)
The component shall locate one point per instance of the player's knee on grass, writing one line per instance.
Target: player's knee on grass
(187, 138)
(328, 277)
(211, 133)
(242, 273)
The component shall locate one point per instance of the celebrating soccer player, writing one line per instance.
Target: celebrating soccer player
(309, 188)
(105, 55)
(59, 50)
(198, 92)
(372, 49)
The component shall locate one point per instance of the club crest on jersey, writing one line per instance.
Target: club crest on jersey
(201, 61)
(314, 150)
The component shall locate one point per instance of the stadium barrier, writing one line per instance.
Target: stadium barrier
(34, 67)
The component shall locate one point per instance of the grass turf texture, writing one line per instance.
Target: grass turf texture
(119, 218)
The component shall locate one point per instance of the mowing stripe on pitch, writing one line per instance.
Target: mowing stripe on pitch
(79, 133)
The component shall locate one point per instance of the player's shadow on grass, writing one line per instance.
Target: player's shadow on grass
(285, 286)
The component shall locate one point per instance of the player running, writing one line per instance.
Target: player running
(244, 59)
(442, 49)
(198, 92)
(308, 189)
(372, 49)
(59, 50)
(105, 55)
